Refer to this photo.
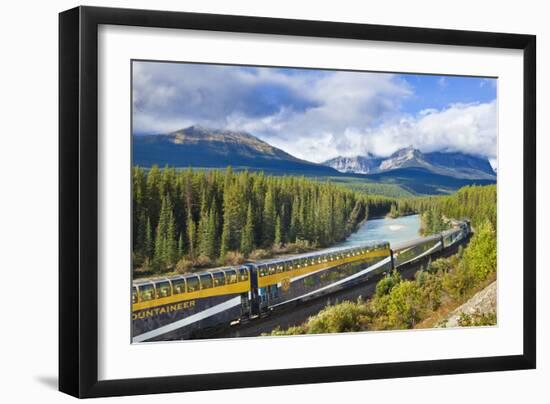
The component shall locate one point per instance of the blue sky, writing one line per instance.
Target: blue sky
(320, 114)
(440, 91)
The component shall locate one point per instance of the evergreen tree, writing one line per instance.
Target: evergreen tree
(233, 213)
(247, 236)
(171, 244)
(212, 238)
(180, 246)
(191, 236)
(278, 231)
(148, 244)
(428, 222)
(202, 232)
(165, 241)
(393, 211)
(224, 248)
(268, 228)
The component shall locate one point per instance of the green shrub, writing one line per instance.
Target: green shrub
(431, 290)
(405, 305)
(481, 255)
(477, 319)
(385, 285)
(184, 266)
(343, 317)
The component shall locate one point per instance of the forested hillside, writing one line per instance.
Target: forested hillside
(199, 218)
(477, 203)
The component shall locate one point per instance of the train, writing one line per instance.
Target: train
(189, 305)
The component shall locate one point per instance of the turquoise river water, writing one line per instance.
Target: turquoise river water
(384, 229)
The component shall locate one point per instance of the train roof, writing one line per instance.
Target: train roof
(409, 243)
(264, 262)
(325, 251)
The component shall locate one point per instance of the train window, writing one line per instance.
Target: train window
(192, 284)
(219, 279)
(178, 285)
(271, 269)
(280, 268)
(231, 276)
(134, 295)
(146, 292)
(163, 289)
(206, 281)
(243, 274)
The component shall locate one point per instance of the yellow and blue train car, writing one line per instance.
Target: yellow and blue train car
(180, 306)
(414, 250)
(308, 276)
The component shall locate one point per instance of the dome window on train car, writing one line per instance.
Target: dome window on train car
(231, 276)
(206, 281)
(164, 289)
(192, 283)
(243, 274)
(178, 285)
(262, 270)
(146, 292)
(134, 295)
(219, 278)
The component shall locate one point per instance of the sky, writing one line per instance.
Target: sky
(320, 114)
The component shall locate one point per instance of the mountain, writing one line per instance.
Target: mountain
(213, 148)
(402, 158)
(467, 165)
(422, 181)
(357, 164)
(453, 164)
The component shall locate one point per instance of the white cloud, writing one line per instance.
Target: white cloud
(312, 115)
(469, 128)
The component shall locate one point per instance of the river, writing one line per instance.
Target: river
(384, 229)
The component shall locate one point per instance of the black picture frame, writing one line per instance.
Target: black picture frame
(78, 200)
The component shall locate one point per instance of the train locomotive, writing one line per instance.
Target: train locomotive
(185, 306)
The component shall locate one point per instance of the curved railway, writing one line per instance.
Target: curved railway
(256, 295)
